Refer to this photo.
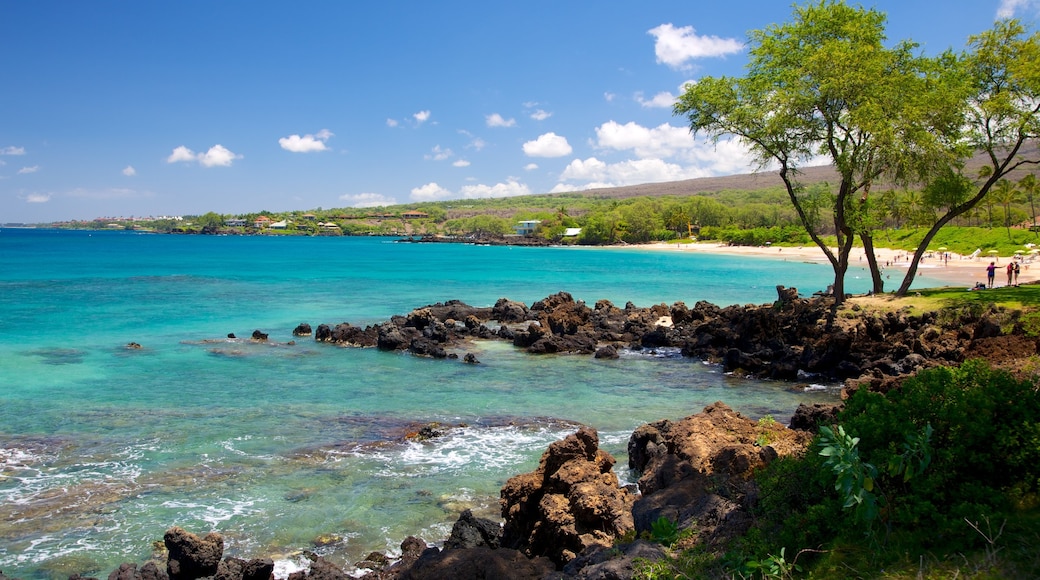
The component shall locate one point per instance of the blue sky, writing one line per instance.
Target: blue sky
(174, 108)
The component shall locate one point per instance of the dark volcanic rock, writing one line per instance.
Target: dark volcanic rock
(607, 351)
(302, 329)
(811, 417)
(470, 531)
(616, 563)
(259, 336)
(191, 557)
(571, 502)
(477, 564)
(506, 310)
(697, 471)
(129, 571)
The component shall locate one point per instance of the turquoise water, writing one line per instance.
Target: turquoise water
(284, 447)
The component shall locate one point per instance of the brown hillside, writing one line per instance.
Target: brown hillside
(762, 180)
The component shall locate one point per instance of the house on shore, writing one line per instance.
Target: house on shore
(415, 215)
(527, 227)
(261, 222)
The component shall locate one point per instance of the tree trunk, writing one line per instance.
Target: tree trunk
(875, 271)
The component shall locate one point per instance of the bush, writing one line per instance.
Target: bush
(986, 446)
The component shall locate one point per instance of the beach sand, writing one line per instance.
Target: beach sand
(957, 271)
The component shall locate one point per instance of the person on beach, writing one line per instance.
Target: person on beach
(991, 273)
(1018, 268)
(1010, 272)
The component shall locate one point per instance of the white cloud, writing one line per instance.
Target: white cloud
(218, 155)
(439, 154)
(540, 115)
(632, 172)
(496, 120)
(461, 163)
(368, 199)
(548, 145)
(30, 169)
(307, 143)
(530, 167)
(421, 117)
(608, 96)
(662, 141)
(429, 192)
(511, 188)
(12, 150)
(662, 100)
(37, 197)
(129, 171)
(391, 122)
(1008, 8)
(477, 143)
(675, 46)
(181, 153)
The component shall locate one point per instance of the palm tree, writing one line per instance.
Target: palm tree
(1005, 194)
(910, 205)
(1028, 186)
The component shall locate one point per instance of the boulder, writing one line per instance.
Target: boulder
(616, 563)
(470, 531)
(477, 564)
(190, 556)
(570, 502)
(239, 569)
(302, 329)
(323, 333)
(390, 337)
(811, 417)
(259, 336)
(697, 471)
(506, 310)
(129, 571)
(608, 352)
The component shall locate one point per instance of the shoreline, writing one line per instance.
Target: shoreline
(959, 270)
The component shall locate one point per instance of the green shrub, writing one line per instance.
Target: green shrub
(984, 448)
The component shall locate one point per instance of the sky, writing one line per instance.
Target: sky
(135, 109)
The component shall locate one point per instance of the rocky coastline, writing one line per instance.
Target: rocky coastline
(571, 517)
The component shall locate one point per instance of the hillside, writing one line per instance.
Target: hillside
(762, 180)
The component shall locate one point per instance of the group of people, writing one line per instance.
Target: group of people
(1013, 269)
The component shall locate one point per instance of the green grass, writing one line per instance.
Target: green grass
(1015, 297)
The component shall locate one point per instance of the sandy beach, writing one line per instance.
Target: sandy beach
(957, 270)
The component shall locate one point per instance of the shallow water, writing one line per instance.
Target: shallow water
(283, 447)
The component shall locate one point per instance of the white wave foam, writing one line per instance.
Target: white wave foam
(471, 448)
(213, 513)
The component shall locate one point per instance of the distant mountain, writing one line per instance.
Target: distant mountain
(763, 180)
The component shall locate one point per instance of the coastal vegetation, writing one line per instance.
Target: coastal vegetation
(826, 85)
(935, 479)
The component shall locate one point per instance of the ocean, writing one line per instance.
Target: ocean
(284, 447)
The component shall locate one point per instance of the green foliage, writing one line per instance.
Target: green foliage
(664, 531)
(855, 477)
(772, 566)
(952, 421)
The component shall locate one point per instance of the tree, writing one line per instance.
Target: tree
(210, 222)
(1028, 186)
(1005, 194)
(826, 85)
(1000, 77)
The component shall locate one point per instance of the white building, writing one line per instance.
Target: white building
(527, 227)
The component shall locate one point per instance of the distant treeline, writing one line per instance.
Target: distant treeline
(741, 217)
